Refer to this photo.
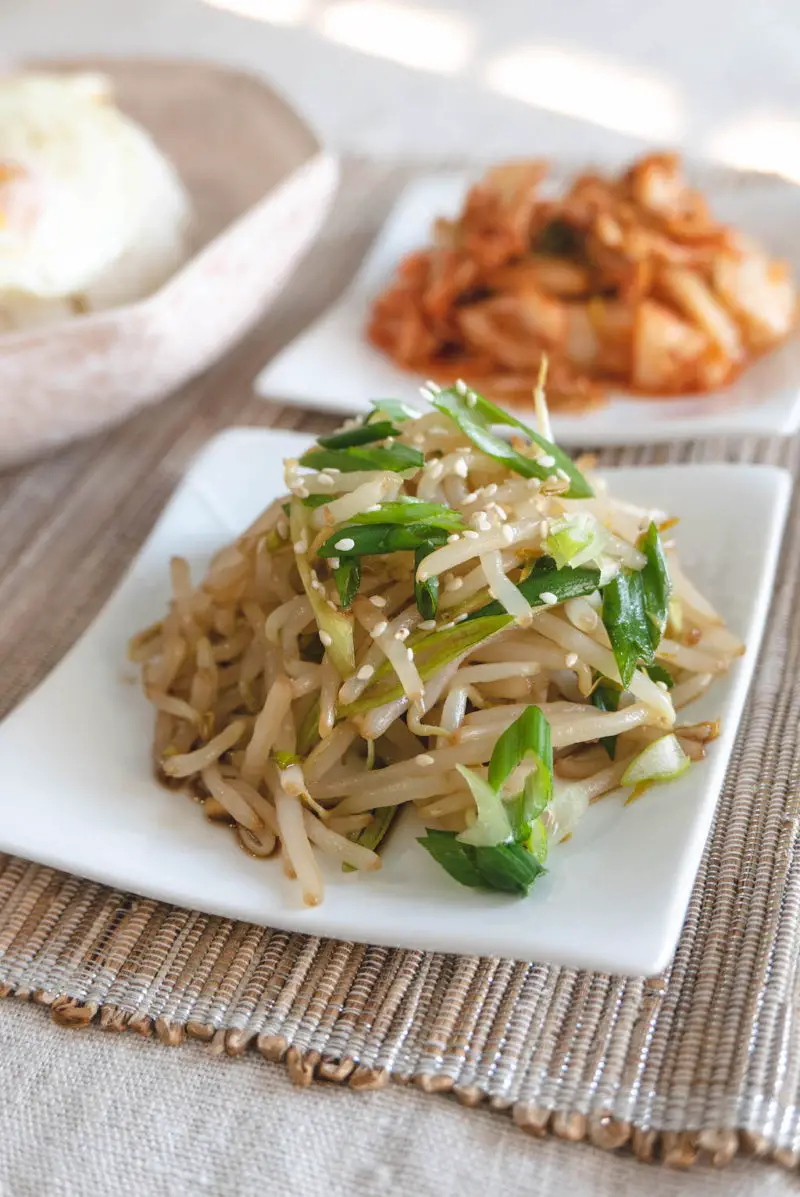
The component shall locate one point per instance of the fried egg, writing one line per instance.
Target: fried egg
(92, 214)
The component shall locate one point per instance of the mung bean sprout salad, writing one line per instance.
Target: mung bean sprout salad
(443, 614)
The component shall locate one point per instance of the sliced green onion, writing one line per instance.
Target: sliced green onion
(663, 760)
(492, 825)
(337, 626)
(364, 434)
(397, 457)
(407, 510)
(605, 697)
(395, 409)
(375, 832)
(635, 606)
(475, 417)
(657, 673)
(426, 594)
(284, 759)
(347, 577)
(504, 867)
(368, 540)
(547, 578)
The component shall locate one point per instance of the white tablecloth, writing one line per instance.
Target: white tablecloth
(86, 1113)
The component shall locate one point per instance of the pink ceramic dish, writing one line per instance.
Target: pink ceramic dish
(261, 187)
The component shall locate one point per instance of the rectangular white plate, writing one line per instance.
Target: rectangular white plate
(331, 367)
(78, 792)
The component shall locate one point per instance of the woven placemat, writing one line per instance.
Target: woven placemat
(703, 1060)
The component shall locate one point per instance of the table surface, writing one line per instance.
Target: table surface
(91, 1113)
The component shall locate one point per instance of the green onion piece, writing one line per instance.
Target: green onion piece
(375, 832)
(426, 594)
(412, 511)
(657, 673)
(476, 420)
(529, 735)
(395, 409)
(347, 577)
(635, 606)
(335, 623)
(492, 825)
(605, 697)
(376, 539)
(504, 867)
(431, 653)
(397, 457)
(308, 732)
(364, 434)
(547, 578)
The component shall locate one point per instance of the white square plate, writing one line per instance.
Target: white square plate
(78, 792)
(331, 367)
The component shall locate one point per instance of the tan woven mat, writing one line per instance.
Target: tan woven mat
(702, 1060)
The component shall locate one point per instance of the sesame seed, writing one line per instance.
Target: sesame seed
(461, 618)
(460, 467)
(471, 534)
(499, 511)
(377, 600)
(334, 562)
(389, 440)
(548, 597)
(432, 386)
(300, 547)
(662, 685)
(447, 626)
(472, 399)
(435, 469)
(507, 533)
(326, 639)
(402, 634)
(562, 474)
(345, 544)
(332, 605)
(424, 759)
(546, 460)
(471, 498)
(461, 386)
(426, 394)
(374, 507)
(427, 625)
(570, 660)
(454, 584)
(484, 525)
(454, 538)
(410, 654)
(380, 628)
(365, 673)
(324, 480)
(418, 438)
(301, 492)
(490, 490)
(331, 470)
(534, 484)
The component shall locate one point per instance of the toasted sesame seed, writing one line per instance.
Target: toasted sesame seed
(301, 492)
(345, 544)
(426, 393)
(548, 597)
(471, 498)
(374, 507)
(499, 511)
(460, 467)
(534, 484)
(471, 534)
(331, 470)
(300, 546)
(461, 386)
(377, 600)
(324, 480)
(410, 654)
(462, 617)
(454, 583)
(490, 490)
(472, 399)
(435, 469)
(432, 386)
(326, 639)
(447, 626)
(570, 660)
(546, 460)
(427, 625)
(332, 605)
(662, 685)
(484, 525)
(507, 533)
(365, 673)
(418, 438)
(562, 474)
(424, 759)
(380, 628)
(334, 562)
(402, 634)
(453, 538)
